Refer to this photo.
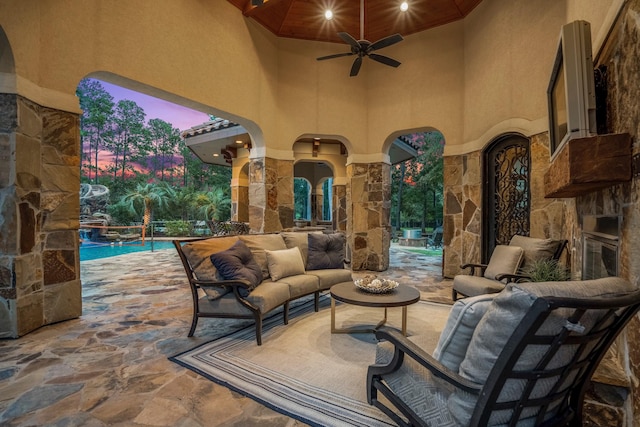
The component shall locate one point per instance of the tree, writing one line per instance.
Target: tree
(163, 144)
(95, 124)
(214, 204)
(129, 143)
(148, 196)
(419, 181)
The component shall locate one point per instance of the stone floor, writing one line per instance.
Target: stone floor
(110, 368)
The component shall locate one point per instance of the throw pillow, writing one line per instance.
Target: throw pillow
(461, 323)
(257, 243)
(237, 263)
(284, 263)
(504, 260)
(326, 251)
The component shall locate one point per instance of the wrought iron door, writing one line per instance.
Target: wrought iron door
(507, 192)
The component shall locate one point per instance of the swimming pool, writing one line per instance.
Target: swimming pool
(90, 251)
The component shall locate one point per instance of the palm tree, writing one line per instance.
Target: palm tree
(214, 204)
(148, 196)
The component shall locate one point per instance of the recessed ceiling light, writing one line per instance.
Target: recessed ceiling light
(404, 6)
(328, 15)
(215, 154)
(238, 141)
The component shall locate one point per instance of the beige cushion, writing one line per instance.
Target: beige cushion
(504, 260)
(300, 240)
(301, 284)
(461, 323)
(498, 324)
(471, 286)
(258, 243)
(284, 263)
(534, 249)
(331, 276)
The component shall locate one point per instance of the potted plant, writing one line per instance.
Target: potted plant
(547, 270)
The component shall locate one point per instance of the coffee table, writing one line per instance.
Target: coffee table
(348, 293)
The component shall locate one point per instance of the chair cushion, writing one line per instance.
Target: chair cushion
(500, 321)
(535, 249)
(301, 284)
(326, 251)
(237, 263)
(415, 385)
(475, 285)
(504, 260)
(284, 263)
(331, 276)
(461, 323)
(258, 243)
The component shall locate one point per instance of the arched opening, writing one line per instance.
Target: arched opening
(507, 196)
(417, 186)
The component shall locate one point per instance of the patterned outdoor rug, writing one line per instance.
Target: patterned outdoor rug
(304, 371)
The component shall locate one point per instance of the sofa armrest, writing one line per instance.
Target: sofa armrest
(402, 347)
(481, 268)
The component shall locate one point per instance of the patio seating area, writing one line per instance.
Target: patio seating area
(110, 366)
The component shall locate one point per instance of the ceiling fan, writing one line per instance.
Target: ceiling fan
(364, 48)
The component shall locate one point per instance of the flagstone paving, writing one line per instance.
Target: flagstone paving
(110, 368)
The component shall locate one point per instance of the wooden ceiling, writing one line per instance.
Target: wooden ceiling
(304, 19)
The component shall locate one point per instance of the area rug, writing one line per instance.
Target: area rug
(304, 371)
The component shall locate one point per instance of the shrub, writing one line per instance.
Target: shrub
(547, 270)
(178, 228)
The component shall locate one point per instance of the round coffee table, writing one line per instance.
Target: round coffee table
(348, 293)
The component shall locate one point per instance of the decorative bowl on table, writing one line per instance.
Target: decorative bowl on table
(374, 285)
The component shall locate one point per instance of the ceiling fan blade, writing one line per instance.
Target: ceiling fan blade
(384, 60)
(355, 68)
(385, 42)
(346, 37)
(337, 55)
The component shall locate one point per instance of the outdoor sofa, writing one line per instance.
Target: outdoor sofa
(248, 276)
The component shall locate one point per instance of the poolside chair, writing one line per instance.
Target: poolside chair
(507, 264)
(528, 361)
(435, 241)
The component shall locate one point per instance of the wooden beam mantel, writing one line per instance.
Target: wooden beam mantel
(587, 164)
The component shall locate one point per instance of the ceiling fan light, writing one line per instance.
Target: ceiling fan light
(328, 14)
(404, 6)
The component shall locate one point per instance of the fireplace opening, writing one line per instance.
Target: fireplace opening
(601, 246)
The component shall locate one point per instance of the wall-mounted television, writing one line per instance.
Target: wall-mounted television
(571, 93)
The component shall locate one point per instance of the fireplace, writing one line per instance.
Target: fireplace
(601, 246)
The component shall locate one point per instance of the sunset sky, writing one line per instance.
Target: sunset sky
(180, 117)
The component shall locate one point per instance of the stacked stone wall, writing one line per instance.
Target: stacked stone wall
(270, 195)
(39, 202)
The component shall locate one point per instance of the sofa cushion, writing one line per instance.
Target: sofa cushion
(500, 321)
(504, 260)
(269, 295)
(198, 255)
(534, 249)
(298, 239)
(301, 284)
(331, 276)
(326, 251)
(461, 323)
(284, 263)
(237, 263)
(258, 243)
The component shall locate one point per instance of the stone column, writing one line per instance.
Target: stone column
(239, 202)
(369, 201)
(339, 209)
(40, 208)
(270, 194)
(462, 212)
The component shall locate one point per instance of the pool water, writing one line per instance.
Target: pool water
(90, 251)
